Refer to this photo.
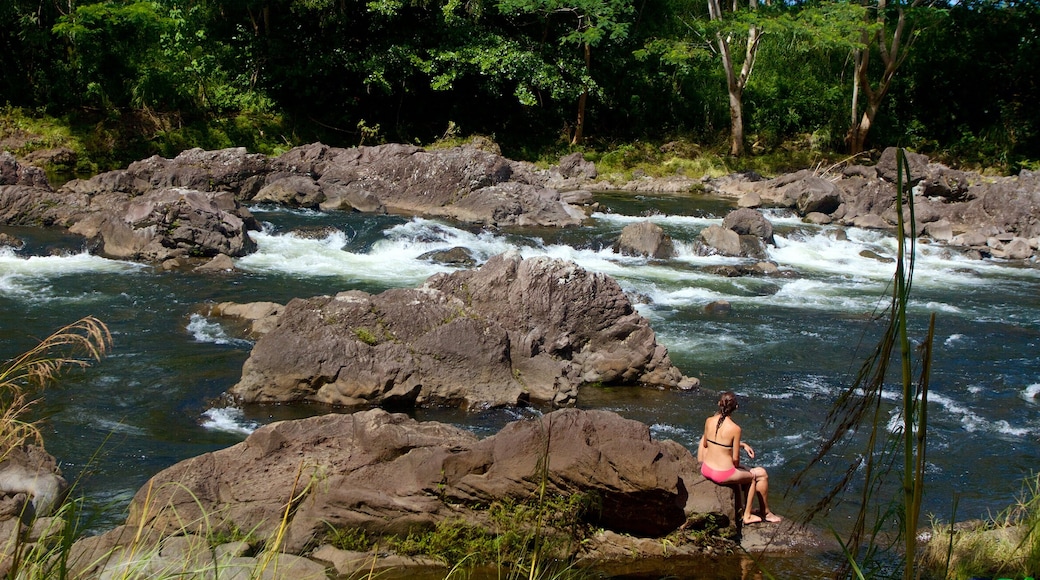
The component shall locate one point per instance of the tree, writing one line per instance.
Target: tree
(587, 24)
(736, 82)
(892, 42)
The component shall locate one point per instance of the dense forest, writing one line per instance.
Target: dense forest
(956, 79)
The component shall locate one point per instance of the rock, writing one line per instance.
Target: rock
(750, 200)
(135, 213)
(818, 195)
(292, 191)
(167, 223)
(1016, 249)
(645, 239)
(14, 173)
(58, 157)
(457, 256)
(575, 166)
(220, 263)
(820, 219)
(32, 473)
(233, 170)
(887, 170)
(871, 221)
(722, 240)
(718, 307)
(749, 222)
(384, 473)
(511, 331)
(969, 239)
(461, 183)
(260, 317)
(871, 255)
(941, 230)
(10, 241)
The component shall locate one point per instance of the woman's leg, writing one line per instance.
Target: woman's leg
(746, 477)
(762, 490)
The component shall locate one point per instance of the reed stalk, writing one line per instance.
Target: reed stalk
(859, 407)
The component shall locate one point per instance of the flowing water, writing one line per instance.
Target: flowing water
(788, 346)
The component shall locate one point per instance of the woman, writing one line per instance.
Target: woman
(719, 455)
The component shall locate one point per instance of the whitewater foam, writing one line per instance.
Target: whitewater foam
(205, 330)
(228, 420)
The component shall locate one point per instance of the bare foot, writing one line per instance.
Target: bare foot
(773, 518)
(752, 519)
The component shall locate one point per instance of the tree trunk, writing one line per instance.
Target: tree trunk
(736, 82)
(579, 124)
(736, 119)
(893, 52)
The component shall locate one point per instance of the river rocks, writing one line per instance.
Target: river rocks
(511, 331)
(386, 474)
(744, 232)
(14, 173)
(165, 224)
(721, 240)
(463, 183)
(950, 205)
(749, 222)
(645, 239)
(161, 209)
(31, 488)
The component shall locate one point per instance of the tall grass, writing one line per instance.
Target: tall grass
(1006, 546)
(29, 553)
(859, 408)
(21, 378)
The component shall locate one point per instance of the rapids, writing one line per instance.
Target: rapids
(788, 347)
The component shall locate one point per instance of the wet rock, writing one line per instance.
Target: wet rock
(220, 263)
(722, 240)
(749, 222)
(644, 239)
(457, 256)
(718, 307)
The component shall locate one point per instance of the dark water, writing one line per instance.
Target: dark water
(788, 346)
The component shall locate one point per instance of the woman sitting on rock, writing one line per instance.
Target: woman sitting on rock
(719, 455)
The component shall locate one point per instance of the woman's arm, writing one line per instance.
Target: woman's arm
(700, 449)
(736, 447)
(750, 451)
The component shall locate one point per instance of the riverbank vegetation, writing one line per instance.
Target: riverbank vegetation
(118, 80)
(1004, 546)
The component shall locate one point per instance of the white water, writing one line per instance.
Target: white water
(790, 344)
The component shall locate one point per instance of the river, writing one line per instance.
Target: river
(789, 345)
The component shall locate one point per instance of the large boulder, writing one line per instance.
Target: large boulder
(464, 183)
(31, 484)
(645, 239)
(165, 224)
(749, 222)
(387, 474)
(513, 330)
(14, 173)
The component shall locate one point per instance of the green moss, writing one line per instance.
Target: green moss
(366, 336)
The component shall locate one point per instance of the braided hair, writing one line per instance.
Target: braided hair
(727, 404)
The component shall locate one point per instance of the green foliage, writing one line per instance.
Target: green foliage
(512, 533)
(131, 78)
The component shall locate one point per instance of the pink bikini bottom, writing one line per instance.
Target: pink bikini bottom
(717, 475)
